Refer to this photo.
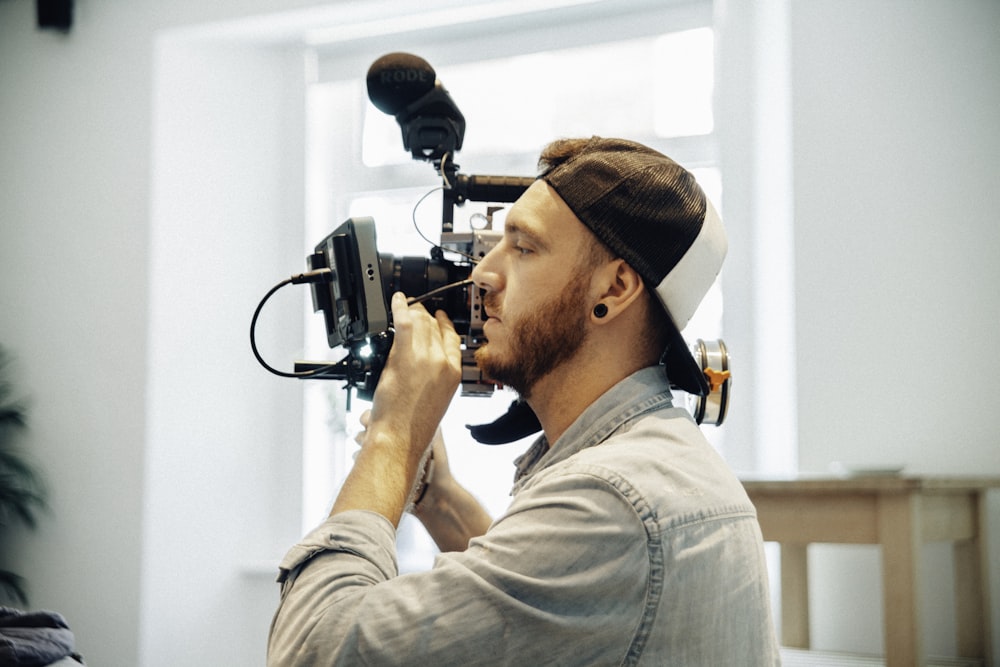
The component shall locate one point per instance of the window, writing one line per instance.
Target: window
(646, 79)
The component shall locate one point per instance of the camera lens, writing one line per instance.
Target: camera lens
(416, 276)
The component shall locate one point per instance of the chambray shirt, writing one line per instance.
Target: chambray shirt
(627, 542)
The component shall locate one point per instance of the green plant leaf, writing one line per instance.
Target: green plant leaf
(22, 490)
(13, 587)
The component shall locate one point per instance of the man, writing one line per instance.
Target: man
(628, 541)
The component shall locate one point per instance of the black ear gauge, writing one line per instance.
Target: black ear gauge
(600, 310)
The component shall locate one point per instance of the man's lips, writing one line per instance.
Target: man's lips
(490, 309)
(491, 323)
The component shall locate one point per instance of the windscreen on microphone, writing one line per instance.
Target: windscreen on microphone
(397, 80)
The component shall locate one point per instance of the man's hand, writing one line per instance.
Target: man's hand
(419, 380)
(420, 376)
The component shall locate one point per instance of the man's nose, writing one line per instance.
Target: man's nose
(484, 273)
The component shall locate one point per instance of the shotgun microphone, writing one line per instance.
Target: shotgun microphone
(405, 86)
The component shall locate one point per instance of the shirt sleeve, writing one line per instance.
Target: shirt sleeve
(560, 579)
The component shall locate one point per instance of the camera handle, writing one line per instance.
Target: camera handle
(361, 368)
(460, 188)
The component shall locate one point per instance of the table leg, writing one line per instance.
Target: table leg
(972, 599)
(794, 596)
(899, 537)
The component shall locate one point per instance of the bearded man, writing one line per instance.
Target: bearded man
(628, 541)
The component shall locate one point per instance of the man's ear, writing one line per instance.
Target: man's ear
(617, 286)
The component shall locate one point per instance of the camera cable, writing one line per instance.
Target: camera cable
(321, 276)
(317, 276)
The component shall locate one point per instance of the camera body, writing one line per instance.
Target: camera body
(355, 301)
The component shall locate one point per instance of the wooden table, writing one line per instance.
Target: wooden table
(898, 513)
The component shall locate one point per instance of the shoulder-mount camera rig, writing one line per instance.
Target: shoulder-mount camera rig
(352, 281)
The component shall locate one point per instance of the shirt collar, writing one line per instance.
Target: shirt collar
(646, 389)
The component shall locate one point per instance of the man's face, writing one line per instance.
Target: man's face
(537, 283)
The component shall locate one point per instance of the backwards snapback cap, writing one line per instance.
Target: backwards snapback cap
(652, 213)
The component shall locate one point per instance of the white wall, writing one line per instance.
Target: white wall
(125, 299)
(897, 230)
(74, 162)
(223, 438)
(172, 458)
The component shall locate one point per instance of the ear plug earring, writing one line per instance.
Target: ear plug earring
(600, 310)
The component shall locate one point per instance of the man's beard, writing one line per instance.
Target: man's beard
(549, 336)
